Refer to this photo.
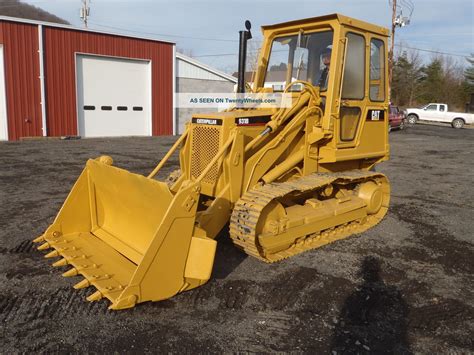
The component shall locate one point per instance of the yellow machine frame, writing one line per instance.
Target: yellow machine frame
(289, 185)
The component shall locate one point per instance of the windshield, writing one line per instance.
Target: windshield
(300, 57)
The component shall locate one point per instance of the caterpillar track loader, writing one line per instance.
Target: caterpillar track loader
(285, 180)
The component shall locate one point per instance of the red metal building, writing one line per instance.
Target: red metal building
(59, 80)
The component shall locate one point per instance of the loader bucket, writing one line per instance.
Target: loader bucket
(130, 237)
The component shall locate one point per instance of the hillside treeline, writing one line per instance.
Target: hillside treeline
(16, 8)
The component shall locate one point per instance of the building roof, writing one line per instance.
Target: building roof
(249, 75)
(206, 67)
(69, 27)
(275, 76)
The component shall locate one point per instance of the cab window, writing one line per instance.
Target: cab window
(353, 86)
(431, 107)
(304, 57)
(377, 70)
(350, 117)
(354, 68)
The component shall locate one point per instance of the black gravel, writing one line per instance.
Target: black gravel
(405, 286)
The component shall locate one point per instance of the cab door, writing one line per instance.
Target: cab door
(352, 90)
(362, 127)
(431, 112)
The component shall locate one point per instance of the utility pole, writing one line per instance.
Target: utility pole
(392, 44)
(85, 12)
(398, 20)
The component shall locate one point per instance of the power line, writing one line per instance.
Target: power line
(231, 40)
(219, 55)
(163, 34)
(396, 45)
(432, 51)
(409, 5)
(406, 3)
(85, 12)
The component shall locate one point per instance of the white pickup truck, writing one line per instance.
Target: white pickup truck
(439, 113)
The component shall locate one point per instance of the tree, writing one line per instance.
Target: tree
(406, 79)
(453, 78)
(432, 81)
(253, 50)
(469, 72)
(279, 67)
(468, 84)
(442, 79)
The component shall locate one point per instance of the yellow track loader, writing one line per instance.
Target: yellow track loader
(284, 180)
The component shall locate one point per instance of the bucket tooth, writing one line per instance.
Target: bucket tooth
(82, 284)
(44, 246)
(72, 272)
(96, 296)
(61, 262)
(39, 239)
(52, 254)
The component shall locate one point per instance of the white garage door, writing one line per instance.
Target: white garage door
(114, 97)
(3, 101)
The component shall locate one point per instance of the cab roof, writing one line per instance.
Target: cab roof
(343, 20)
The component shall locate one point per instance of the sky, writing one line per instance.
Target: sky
(208, 29)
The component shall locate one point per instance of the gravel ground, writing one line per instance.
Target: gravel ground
(405, 286)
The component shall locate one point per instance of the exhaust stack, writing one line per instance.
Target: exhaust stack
(244, 37)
